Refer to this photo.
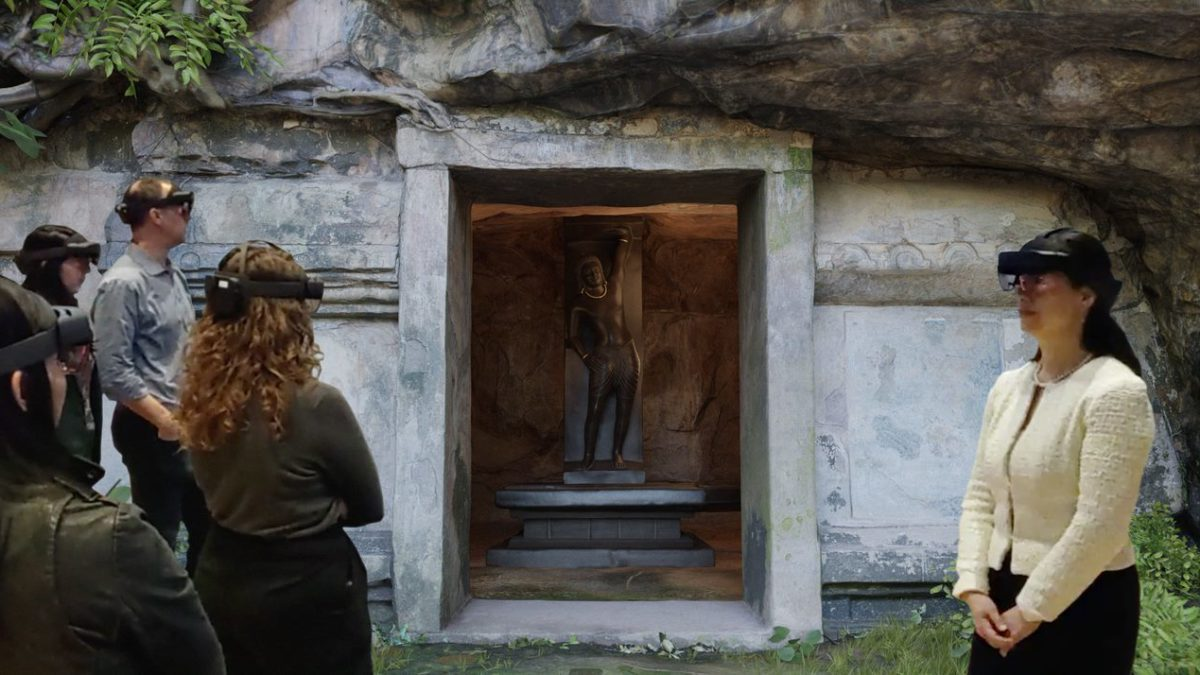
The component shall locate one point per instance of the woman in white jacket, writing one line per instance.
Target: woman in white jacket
(1044, 557)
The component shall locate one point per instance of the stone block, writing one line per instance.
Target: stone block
(216, 144)
(339, 212)
(491, 141)
(82, 200)
(360, 360)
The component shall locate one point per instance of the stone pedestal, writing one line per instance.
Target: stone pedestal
(603, 473)
(592, 526)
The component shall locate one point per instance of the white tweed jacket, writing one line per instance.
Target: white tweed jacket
(1059, 495)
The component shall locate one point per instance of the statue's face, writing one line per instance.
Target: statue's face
(592, 273)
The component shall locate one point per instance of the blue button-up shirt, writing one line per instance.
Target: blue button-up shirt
(140, 320)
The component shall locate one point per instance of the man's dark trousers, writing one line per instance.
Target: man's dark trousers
(161, 481)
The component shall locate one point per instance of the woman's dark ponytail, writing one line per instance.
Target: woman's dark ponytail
(1103, 336)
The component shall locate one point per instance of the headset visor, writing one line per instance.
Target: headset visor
(1013, 264)
(71, 331)
(81, 249)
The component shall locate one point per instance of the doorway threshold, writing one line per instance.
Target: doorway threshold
(729, 625)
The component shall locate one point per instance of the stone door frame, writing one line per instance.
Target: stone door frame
(616, 162)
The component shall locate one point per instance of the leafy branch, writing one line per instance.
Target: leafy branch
(24, 136)
(141, 40)
(114, 34)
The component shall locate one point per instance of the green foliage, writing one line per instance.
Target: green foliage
(24, 136)
(1169, 568)
(1168, 633)
(960, 622)
(802, 647)
(900, 647)
(392, 650)
(115, 32)
(1163, 555)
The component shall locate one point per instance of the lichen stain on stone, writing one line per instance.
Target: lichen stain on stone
(787, 524)
(779, 238)
(800, 159)
(906, 443)
(935, 330)
(795, 180)
(835, 501)
(829, 448)
(828, 537)
(886, 366)
(413, 381)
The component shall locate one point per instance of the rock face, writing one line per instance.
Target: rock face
(1102, 94)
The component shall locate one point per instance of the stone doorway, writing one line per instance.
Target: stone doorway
(690, 385)
(766, 176)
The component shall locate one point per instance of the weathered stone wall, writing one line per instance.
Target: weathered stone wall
(1109, 103)
(689, 355)
(904, 282)
(328, 191)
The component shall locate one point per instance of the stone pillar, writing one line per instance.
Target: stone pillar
(781, 556)
(432, 501)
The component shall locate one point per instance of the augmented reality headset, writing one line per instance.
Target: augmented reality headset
(70, 331)
(1013, 264)
(80, 249)
(173, 199)
(227, 294)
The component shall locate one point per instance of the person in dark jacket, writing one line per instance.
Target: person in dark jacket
(284, 468)
(56, 260)
(86, 584)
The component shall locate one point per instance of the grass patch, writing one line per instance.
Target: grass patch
(898, 647)
(1168, 636)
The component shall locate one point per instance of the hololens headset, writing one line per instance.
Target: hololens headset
(1055, 251)
(174, 198)
(227, 294)
(72, 249)
(70, 331)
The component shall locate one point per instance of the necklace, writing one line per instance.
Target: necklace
(1037, 381)
(603, 293)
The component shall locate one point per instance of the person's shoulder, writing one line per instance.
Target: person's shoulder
(1009, 378)
(318, 394)
(324, 401)
(87, 530)
(86, 505)
(139, 548)
(123, 272)
(1111, 377)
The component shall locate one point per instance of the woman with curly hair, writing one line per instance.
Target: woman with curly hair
(284, 467)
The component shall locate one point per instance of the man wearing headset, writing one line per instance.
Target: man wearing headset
(142, 315)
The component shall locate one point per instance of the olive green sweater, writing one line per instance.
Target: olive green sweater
(319, 475)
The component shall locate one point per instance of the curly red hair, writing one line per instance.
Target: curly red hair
(259, 358)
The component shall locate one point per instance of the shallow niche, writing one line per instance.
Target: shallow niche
(689, 387)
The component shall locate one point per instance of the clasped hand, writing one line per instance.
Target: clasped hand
(1001, 631)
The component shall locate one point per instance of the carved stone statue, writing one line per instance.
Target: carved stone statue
(599, 334)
